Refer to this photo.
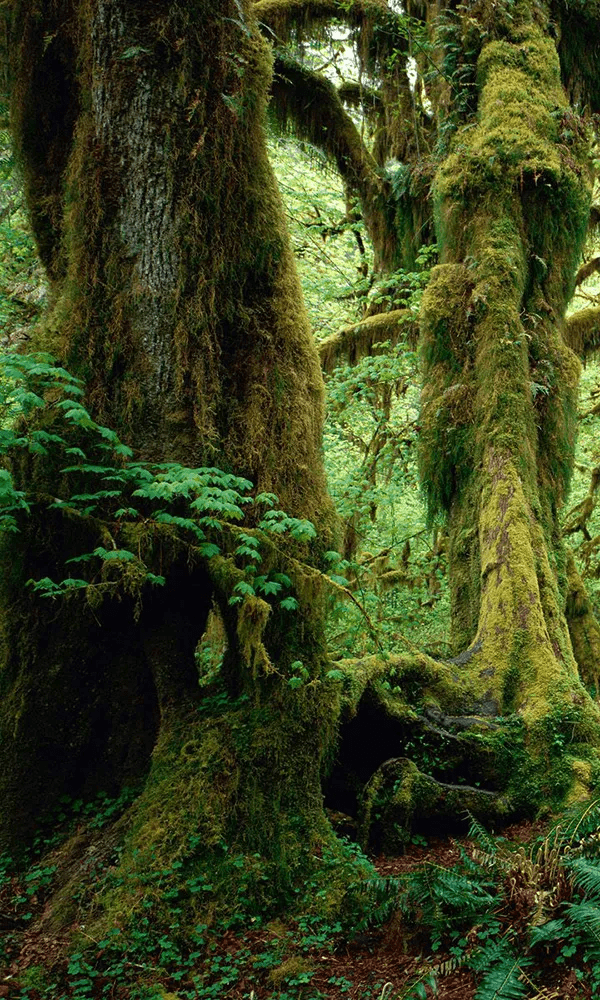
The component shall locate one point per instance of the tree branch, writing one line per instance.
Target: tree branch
(582, 332)
(281, 15)
(586, 271)
(355, 342)
(310, 105)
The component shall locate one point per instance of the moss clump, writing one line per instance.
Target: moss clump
(400, 796)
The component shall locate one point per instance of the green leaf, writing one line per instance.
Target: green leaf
(267, 498)
(268, 587)
(208, 550)
(289, 604)
(245, 550)
(114, 555)
(126, 512)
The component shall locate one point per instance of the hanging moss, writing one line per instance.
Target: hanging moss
(310, 105)
(380, 29)
(357, 341)
(582, 332)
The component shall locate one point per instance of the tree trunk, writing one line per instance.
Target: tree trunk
(499, 403)
(140, 131)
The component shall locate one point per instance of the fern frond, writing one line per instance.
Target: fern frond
(382, 895)
(482, 837)
(438, 890)
(496, 951)
(585, 873)
(504, 982)
(585, 921)
(549, 933)
(578, 824)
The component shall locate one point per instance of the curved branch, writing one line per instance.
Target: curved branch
(586, 271)
(311, 106)
(582, 332)
(356, 341)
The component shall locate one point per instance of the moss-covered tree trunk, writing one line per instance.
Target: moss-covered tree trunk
(140, 132)
(499, 403)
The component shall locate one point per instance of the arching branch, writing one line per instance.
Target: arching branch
(282, 15)
(582, 332)
(310, 105)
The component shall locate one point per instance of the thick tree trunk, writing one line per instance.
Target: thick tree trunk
(499, 403)
(176, 300)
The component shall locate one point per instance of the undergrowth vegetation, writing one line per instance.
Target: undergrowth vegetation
(519, 916)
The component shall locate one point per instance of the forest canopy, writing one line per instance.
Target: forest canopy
(235, 668)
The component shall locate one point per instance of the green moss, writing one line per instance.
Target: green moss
(512, 201)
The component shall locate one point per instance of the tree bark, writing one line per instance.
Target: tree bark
(175, 298)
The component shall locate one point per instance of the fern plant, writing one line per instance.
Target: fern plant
(132, 504)
(511, 912)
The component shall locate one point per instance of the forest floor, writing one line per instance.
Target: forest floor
(275, 961)
(399, 957)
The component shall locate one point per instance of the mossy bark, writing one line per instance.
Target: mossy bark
(140, 132)
(499, 403)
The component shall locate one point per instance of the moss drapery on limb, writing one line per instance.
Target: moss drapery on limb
(582, 332)
(586, 270)
(282, 16)
(396, 215)
(177, 301)
(311, 104)
(357, 341)
(499, 403)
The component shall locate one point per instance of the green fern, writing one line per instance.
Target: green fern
(382, 896)
(585, 873)
(503, 982)
(502, 972)
(446, 899)
(579, 828)
(482, 837)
